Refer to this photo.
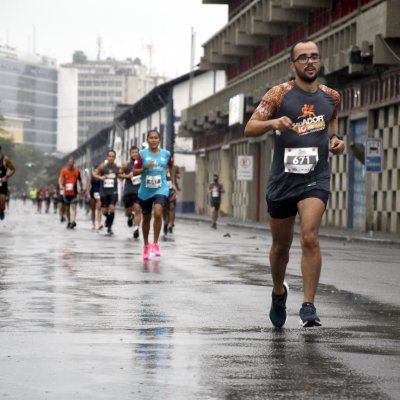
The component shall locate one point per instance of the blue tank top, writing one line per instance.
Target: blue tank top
(154, 181)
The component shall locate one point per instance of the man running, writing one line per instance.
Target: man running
(215, 190)
(152, 164)
(131, 189)
(68, 182)
(302, 115)
(7, 170)
(107, 173)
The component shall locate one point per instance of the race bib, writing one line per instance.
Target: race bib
(153, 181)
(96, 195)
(215, 193)
(69, 187)
(136, 180)
(109, 183)
(170, 184)
(61, 192)
(300, 160)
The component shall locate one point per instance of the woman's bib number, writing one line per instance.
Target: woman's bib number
(153, 181)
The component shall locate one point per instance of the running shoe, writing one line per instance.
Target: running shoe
(136, 233)
(69, 225)
(146, 251)
(171, 229)
(308, 315)
(109, 231)
(156, 249)
(214, 226)
(100, 227)
(62, 219)
(130, 221)
(1, 214)
(277, 313)
(73, 225)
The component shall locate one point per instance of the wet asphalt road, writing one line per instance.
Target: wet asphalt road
(83, 317)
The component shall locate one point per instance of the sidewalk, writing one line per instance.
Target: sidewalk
(324, 232)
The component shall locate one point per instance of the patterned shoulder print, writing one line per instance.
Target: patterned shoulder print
(271, 101)
(336, 98)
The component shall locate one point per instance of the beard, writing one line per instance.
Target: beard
(305, 77)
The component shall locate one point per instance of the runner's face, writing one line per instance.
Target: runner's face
(153, 140)
(306, 72)
(110, 157)
(134, 153)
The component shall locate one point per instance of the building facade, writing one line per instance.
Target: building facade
(28, 92)
(102, 84)
(12, 128)
(359, 41)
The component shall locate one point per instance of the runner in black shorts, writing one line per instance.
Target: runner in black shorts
(131, 188)
(108, 173)
(302, 116)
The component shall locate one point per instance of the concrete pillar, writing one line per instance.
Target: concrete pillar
(201, 185)
(225, 177)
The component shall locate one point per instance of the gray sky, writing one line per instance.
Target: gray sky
(126, 28)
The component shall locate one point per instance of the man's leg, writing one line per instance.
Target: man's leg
(73, 212)
(138, 213)
(111, 215)
(68, 212)
(2, 205)
(282, 237)
(311, 211)
(172, 207)
(98, 212)
(2, 201)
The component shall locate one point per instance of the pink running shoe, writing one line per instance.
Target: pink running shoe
(156, 249)
(146, 252)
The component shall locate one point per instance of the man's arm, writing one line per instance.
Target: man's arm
(336, 144)
(61, 179)
(172, 176)
(10, 169)
(80, 181)
(97, 171)
(256, 126)
(122, 174)
(88, 183)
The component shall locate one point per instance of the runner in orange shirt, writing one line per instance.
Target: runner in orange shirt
(69, 177)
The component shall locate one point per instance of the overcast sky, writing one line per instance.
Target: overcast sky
(126, 27)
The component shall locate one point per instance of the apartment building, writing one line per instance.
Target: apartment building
(28, 94)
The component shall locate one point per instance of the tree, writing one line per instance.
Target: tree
(33, 168)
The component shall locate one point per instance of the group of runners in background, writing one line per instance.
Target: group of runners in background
(149, 178)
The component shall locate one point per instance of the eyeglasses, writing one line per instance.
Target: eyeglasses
(304, 58)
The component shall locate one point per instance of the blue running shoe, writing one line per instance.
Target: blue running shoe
(277, 313)
(308, 316)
